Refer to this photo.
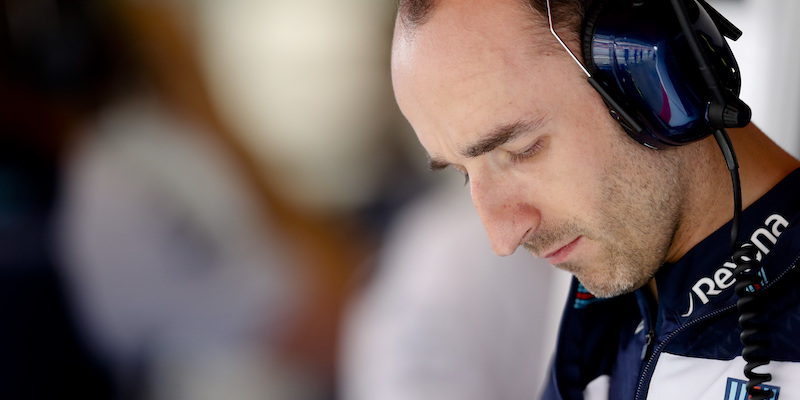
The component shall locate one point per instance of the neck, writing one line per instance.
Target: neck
(762, 164)
(653, 288)
(709, 204)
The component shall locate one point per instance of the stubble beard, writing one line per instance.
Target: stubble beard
(638, 215)
(617, 268)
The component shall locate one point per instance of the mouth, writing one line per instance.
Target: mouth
(561, 254)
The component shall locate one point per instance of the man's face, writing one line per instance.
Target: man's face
(548, 168)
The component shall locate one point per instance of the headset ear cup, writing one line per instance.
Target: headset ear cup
(641, 65)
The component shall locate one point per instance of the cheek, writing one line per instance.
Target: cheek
(593, 147)
(578, 190)
(577, 165)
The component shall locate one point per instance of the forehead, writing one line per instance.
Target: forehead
(466, 60)
(459, 27)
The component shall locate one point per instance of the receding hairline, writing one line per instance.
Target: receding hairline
(566, 13)
(412, 15)
(415, 13)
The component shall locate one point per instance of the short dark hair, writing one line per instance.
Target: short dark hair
(565, 13)
(414, 13)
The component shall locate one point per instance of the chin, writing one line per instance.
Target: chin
(608, 280)
(608, 289)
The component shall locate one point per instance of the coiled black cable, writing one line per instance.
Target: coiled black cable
(747, 266)
(747, 280)
(749, 306)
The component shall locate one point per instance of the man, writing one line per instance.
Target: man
(492, 93)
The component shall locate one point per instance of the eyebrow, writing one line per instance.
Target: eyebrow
(497, 137)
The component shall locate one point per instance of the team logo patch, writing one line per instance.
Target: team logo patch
(737, 390)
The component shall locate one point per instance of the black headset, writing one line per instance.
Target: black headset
(669, 81)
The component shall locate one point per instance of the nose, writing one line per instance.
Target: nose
(507, 216)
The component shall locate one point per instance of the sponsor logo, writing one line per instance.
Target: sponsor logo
(737, 390)
(763, 239)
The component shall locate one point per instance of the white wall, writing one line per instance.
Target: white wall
(767, 55)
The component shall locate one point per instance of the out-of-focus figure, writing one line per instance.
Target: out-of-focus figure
(443, 318)
(307, 84)
(144, 255)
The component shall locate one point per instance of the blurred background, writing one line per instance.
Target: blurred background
(206, 199)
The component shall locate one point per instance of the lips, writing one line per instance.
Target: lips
(561, 255)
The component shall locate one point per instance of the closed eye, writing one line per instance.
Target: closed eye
(464, 173)
(528, 152)
(435, 164)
